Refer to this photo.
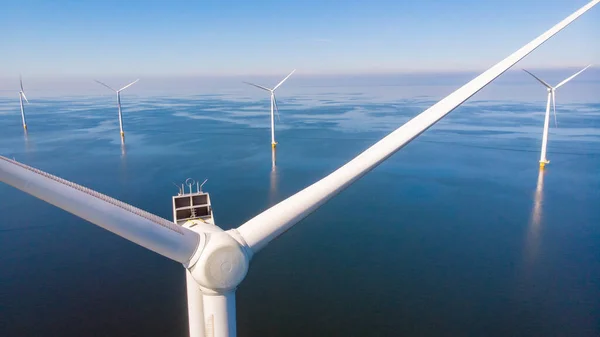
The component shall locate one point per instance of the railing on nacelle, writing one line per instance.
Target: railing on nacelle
(190, 204)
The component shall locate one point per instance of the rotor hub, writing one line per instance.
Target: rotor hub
(222, 264)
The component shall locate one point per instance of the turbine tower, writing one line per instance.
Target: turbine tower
(21, 97)
(217, 261)
(119, 103)
(274, 106)
(551, 97)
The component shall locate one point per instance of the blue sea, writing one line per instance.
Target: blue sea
(457, 234)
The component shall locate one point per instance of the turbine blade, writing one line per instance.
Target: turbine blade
(280, 83)
(25, 97)
(276, 108)
(263, 228)
(130, 84)
(572, 77)
(539, 79)
(259, 86)
(145, 229)
(105, 85)
(21, 82)
(554, 107)
(219, 314)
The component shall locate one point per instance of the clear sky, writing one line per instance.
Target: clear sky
(237, 37)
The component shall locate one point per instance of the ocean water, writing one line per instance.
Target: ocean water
(457, 234)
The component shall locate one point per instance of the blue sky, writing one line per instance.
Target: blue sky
(239, 37)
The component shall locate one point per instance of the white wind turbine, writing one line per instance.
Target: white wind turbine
(119, 103)
(551, 97)
(21, 97)
(217, 261)
(274, 106)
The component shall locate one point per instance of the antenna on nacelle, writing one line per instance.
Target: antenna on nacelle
(189, 182)
(179, 188)
(200, 188)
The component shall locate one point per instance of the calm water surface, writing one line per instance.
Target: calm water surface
(457, 234)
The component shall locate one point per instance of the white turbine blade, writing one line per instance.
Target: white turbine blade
(145, 229)
(21, 82)
(276, 108)
(259, 86)
(539, 79)
(219, 315)
(105, 85)
(130, 84)
(554, 107)
(572, 77)
(25, 97)
(280, 83)
(263, 228)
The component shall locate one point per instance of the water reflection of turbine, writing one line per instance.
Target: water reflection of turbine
(123, 149)
(123, 161)
(533, 234)
(27, 144)
(273, 184)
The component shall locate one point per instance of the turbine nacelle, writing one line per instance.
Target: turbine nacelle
(22, 93)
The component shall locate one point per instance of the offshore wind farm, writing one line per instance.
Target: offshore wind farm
(330, 233)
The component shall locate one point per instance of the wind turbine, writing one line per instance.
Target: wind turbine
(551, 97)
(273, 104)
(216, 261)
(21, 97)
(119, 103)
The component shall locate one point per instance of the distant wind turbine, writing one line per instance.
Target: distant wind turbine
(119, 103)
(21, 97)
(551, 97)
(273, 104)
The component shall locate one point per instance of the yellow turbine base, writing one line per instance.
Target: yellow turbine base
(542, 165)
(122, 134)
(25, 126)
(273, 145)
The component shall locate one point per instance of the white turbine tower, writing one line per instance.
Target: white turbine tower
(21, 97)
(119, 103)
(551, 97)
(217, 261)
(274, 106)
